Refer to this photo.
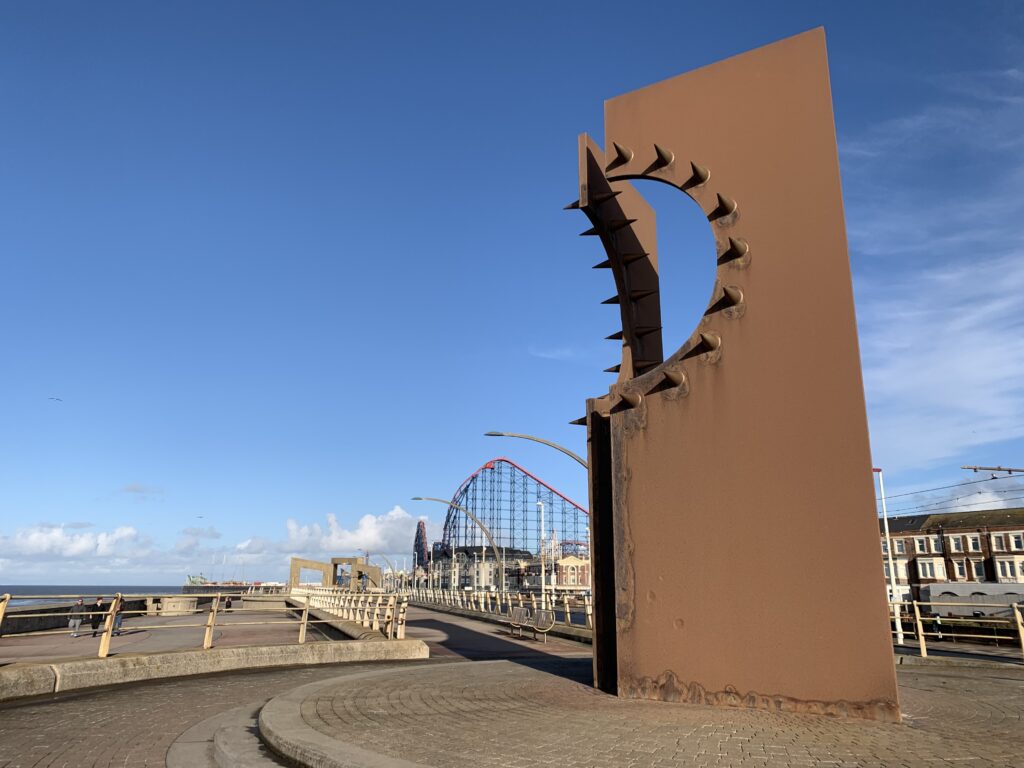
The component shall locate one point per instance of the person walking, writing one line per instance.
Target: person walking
(76, 614)
(118, 617)
(98, 611)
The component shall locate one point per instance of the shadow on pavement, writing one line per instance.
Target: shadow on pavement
(489, 645)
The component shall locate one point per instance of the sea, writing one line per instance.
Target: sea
(28, 594)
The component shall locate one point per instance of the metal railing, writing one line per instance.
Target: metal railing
(570, 610)
(920, 621)
(380, 612)
(383, 612)
(980, 627)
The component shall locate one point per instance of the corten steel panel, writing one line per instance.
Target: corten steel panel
(747, 569)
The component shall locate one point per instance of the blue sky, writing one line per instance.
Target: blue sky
(284, 263)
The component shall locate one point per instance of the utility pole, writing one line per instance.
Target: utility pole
(897, 613)
(1008, 470)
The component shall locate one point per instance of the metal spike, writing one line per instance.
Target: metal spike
(572, 206)
(590, 232)
(580, 422)
(613, 369)
(665, 158)
(737, 249)
(711, 341)
(630, 399)
(726, 206)
(617, 336)
(700, 174)
(733, 295)
(674, 377)
(604, 197)
(616, 224)
(606, 264)
(613, 300)
(622, 156)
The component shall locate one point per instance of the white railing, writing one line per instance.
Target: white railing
(379, 612)
(570, 610)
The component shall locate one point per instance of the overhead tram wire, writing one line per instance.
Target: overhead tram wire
(951, 500)
(944, 487)
(957, 507)
(946, 502)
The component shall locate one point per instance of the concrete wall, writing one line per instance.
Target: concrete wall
(21, 680)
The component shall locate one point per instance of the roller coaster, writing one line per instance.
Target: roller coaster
(511, 502)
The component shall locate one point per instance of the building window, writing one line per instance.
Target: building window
(885, 546)
(975, 543)
(979, 569)
(956, 543)
(961, 570)
(936, 542)
(1006, 569)
(921, 544)
(885, 569)
(931, 568)
(900, 547)
(1018, 541)
(998, 543)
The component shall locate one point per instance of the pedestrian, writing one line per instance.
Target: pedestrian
(118, 617)
(227, 604)
(98, 611)
(76, 614)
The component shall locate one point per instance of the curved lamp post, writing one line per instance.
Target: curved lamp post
(556, 446)
(498, 556)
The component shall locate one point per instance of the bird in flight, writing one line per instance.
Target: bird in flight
(57, 399)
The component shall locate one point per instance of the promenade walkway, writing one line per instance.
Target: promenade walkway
(491, 700)
(60, 646)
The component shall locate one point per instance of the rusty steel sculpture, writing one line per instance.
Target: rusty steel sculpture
(735, 545)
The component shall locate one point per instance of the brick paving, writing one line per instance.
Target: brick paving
(133, 725)
(532, 711)
(510, 714)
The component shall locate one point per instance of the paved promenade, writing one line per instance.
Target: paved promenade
(489, 699)
(172, 636)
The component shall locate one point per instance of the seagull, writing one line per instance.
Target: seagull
(57, 399)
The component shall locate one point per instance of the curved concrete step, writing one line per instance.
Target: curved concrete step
(282, 727)
(226, 740)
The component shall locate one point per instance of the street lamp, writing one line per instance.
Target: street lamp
(556, 446)
(892, 567)
(498, 556)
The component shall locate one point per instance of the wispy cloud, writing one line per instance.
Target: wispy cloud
(553, 353)
(940, 274)
(142, 492)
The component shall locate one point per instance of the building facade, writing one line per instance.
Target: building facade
(984, 548)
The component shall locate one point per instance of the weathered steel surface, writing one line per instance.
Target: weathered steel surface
(741, 556)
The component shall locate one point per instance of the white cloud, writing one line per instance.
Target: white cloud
(57, 540)
(392, 532)
(48, 553)
(939, 274)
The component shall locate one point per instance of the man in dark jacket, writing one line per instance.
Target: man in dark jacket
(99, 611)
